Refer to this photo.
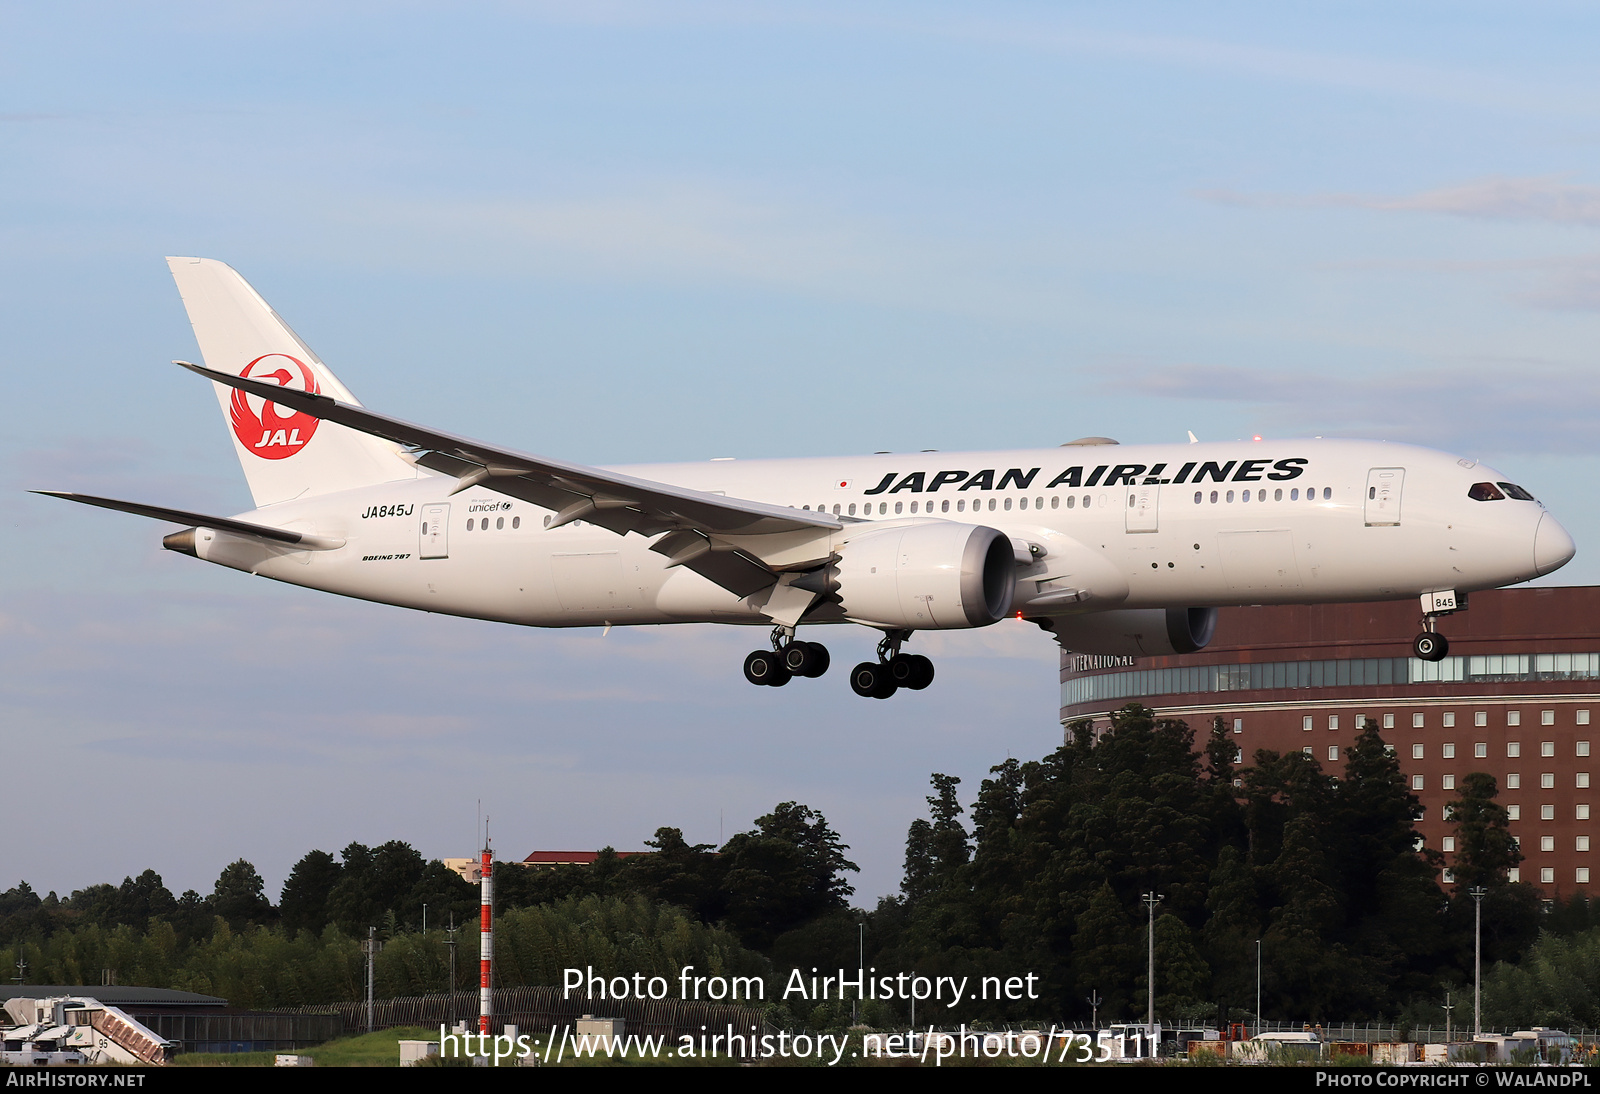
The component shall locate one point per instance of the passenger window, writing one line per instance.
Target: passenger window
(1008, 505)
(991, 505)
(897, 507)
(1086, 501)
(1244, 495)
(1197, 497)
(499, 523)
(1213, 497)
(944, 506)
(961, 505)
(852, 509)
(1021, 504)
(1294, 495)
(1277, 495)
(1055, 501)
(1262, 496)
(469, 524)
(913, 507)
(516, 522)
(1230, 497)
(1327, 493)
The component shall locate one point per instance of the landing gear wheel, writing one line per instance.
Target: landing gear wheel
(911, 670)
(1430, 646)
(763, 667)
(871, 680)
(809, 659)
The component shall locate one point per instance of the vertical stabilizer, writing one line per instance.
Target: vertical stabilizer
(285, 454)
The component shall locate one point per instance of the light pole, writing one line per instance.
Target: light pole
(1477, 893)
(1448, 1007)
(1258, 988)
(1151, 899)
(1094, 1002)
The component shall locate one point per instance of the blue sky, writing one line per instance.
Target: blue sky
(624, 232)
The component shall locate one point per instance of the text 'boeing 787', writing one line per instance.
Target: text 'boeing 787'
(1114, 549)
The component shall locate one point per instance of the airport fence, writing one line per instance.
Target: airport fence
(535, 1010)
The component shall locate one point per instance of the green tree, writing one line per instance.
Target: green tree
(1485, 849)
(789, 870)
(303, 904)
(239, 896)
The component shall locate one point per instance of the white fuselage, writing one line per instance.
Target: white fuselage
(1122, 526)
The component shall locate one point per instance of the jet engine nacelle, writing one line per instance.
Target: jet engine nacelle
(1137, 632)
(928, 575)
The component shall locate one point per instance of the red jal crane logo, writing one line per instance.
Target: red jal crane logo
(271, 431)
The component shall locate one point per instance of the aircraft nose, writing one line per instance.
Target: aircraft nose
(1552, 546)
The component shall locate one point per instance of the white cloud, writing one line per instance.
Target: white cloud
(1469, 407)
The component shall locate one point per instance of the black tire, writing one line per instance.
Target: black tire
(809, 659)
(763, 668)
(871, 680)
(921, 672)
(903, 669)
(1429, 646)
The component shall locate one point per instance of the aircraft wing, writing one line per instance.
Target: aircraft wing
(202, 520)
(574, 491)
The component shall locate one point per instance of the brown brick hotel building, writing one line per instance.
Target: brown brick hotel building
(1513, 698)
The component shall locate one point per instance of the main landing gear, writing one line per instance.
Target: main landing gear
(892, 670)
(788, 658)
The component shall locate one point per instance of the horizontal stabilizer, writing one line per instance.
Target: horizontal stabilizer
(200, 520)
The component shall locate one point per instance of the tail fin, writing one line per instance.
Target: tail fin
(285, 454)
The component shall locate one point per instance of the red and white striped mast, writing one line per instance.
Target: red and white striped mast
(486, 936)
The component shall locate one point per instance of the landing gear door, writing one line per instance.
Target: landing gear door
(435, 532)
(1143, 509)
(1383, 496)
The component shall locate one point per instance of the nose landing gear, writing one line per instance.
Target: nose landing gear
(892, 670)
(1430, 645)
(787, 659)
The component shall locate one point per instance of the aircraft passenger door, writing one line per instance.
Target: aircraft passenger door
(1143, 508)
(1383, 496)
(435, 531)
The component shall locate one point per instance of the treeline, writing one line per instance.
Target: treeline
(682, 905)
(1318, 874)
(1324, 868)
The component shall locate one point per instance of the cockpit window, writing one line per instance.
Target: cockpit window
(1485, 491)
(1516, 491)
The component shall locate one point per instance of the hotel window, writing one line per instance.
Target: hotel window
(1583, 717)
(1513, 748)
(1547, 717)
(1513, 781)
(1448, 750)
(1449, 719)
(1547, 812)
(1583, 812)
(1449, 878)
(1333, 721)
(1547, 748)
(1513, 875)
(1513, 812)
(1417, 721)
(1583, 780)
(1388, 721)
(1238, 755)
(1333, 753)
(1583, 748)
(1581, 875)
(1447, 782)
(1416, 752)
(1480, 717)
(1238, 725)
(1547, 780)
(1305, 723)
(1547, 876)
(1306, 750)
(1449, 843)
(1480, 750)
(1547, 843)
(1582, 844)
(1513, 717)
(1416, 782)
